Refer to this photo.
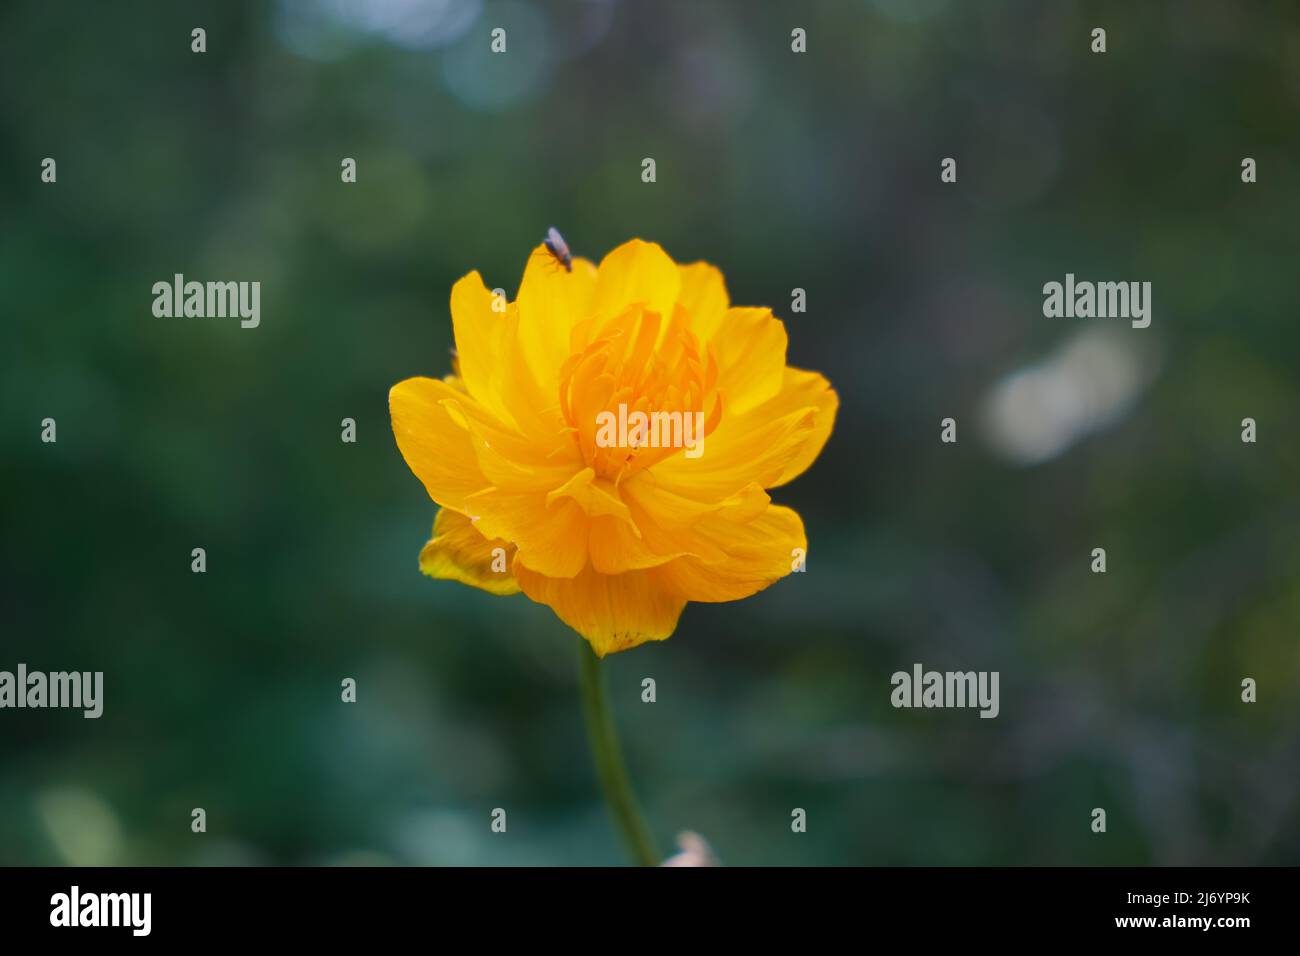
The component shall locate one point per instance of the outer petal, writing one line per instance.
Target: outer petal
(551, 538)
(597, 496)
(771, 444)
(484, 337)
(612, 611)
(436, 447)
(667, 521)
(457, 552)
(513, 386)
(648, 497)
(756, 555)
(802, 390)
(614, 540)
(738, 454)
(512, 461)
(618, 546)
(636, 271)
(552, 301)
(703, 294)
(750, 345)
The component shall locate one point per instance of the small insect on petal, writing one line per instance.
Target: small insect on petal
(559, 248)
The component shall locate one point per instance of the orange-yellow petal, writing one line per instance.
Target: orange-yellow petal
(755, 555)
(738, 454)
(636, 272)
(703, 294)
(597, 496)
(483, 338)
(552, 300)
(436, 447)
(551, 538)
(648, 497)
(457, 552)
(771, 444)
(513, 461)
(802, 390)
(612, 611)
(667, 521)
(614, 540)
(618, 546)
(750, 345)
(494, 362)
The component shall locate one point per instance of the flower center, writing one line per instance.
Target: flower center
(634, 393)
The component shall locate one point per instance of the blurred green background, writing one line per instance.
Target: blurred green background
(818, 171)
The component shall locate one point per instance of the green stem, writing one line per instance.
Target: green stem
(608, 756)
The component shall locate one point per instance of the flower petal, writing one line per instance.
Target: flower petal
(737, 454)
(597, 496)
(703, 294)
(494, 361)
(646, 495)
(666, 520)
(552, 301)
(612, 611)
(801, 390)
(457, 552)
(756, 554)
(483, 337)
(435, 446)
(552, 539)
(750, 345)
(636, 272)
(771, 444)
(618, 546)
(515, 462)
(614, 541)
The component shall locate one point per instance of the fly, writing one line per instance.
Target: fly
(557, 247)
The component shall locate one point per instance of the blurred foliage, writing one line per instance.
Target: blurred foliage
(819, 171)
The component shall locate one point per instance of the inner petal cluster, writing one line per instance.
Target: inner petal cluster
(633, 368)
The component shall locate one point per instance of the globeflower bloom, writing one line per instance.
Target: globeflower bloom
(544, 489)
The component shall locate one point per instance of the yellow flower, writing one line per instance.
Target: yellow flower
(615, 537)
